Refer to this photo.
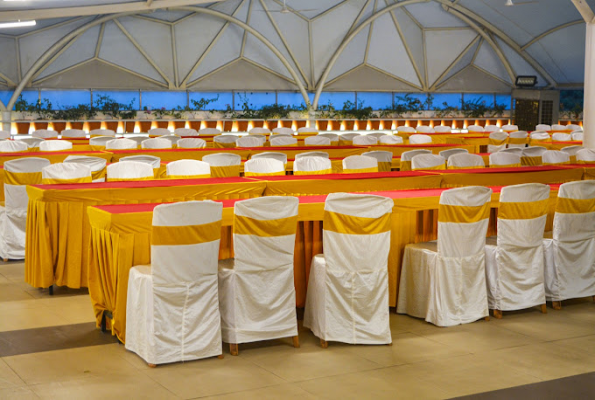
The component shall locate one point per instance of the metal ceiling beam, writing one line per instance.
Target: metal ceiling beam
(585, 10)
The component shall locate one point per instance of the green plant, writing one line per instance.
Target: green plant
(199, 105)
(43, 108)
(447, 111)
(474, 108)
(358, 111)
(411, 104)
(113, 109)
(498, 110)
(276, 111)
(82, 111)
(327, 111)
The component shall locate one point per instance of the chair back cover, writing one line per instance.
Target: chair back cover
(419, 139)
(442, 129)
(271, 154)
(224, 164)
(248, 141)
(428, 161)
(408, 155)
(188, 169)
(13, 146)
(173, 139)
(539, 137)
(153, 161)
(346, 139)
(491, 128)
(585, 156)
(62, 173)
(384, 158)
(359, 164)
(571, 151)
(543, 127)
(334, 138)
(518, 139)
(209, 131)
(390, 139)
(31, 142)
(96, 164)
(259, 131)
(475, 128)
(514, 150)
(424, 129)
(377, 135)
(313, 165)
(55, 145)
(307, 129)
(191, 143)
(283, 140)
(317, 140)
(559, 128)
(102, 132)
(263, 167)
(561, 137)
(503, 159)
(4, 134)
(100, 141)
(73, 133)
(510, 128)
(185, 132)
(465, 160)
(44, 134)
(450, 152)
(223, 141)
(498, 138)
(159, 132)
(129, 171)
(157, 143)
(532, 155)
(578, 136)
(555, 157)
(283, 131)
(405, 129)
(120, 144)
(365, 140)
(312, 154)
(574, 127)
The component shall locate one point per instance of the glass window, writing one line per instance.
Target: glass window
(337, 99)
(30, 96)
(376, 100)
(121, 96)
(221, 100)
(442, 100)
(503, 99)
(255, 99)
(5, 96)
(293, 99)
(405, 98)
(63, 99)
(488, 98)
(164, 100)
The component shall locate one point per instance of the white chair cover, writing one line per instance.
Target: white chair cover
(444, 282)
(450, 152)
(157, 143)
(223, 159)
(559, 128)
(96, 164)
(475, 128)
(442, 129)
(259, 131)
(13, 146)
(31, 142)
(55, 145)
(543, 127)
(570, 254)
(405, 129)
(317, 140)
(307, 129)
(209, 131)
(73, 133)
(365, 140)
(283, 141)
(420, 139)
(247, 141)
(540, 136)
(153, 161)
(585, 155)
(561, 137)
(464, 160)
(571, 150)
(4, 134)
(406, 157)
(518, 139)
(491, 128)
(514, 259)
(283, 131)
(554, 157)
(347, 294)
(355, 164)
(384, 158)
(159, 132)
(256, 288)
(578, 136)
(13, 218)
(66, 173)
(44, 134)
(271, 154)
(129, 171)
(173, 139)
(377, 135)
(312, 154)
(312, 166)
(138, 139)
(229, 140)
(510, 128)
(390, 139)
(100, 140)
(346, 139)
(574, 127)
(120, 144)
(102, 132)
(183, 132)
(532, 155)
(188, 169)
(428, 161)
(332, 136)
(172, 310)
(514, 150)
(424, 129)
(191, 143)
(263, 166)
(503, 159)
(497, 141)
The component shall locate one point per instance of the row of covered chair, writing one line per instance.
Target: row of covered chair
(501, 140)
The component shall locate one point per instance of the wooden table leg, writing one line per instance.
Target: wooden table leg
(296, 342)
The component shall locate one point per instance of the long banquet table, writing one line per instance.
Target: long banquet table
(121, 239)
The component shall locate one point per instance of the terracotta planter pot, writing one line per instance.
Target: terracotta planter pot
(227, 125)
(349, 125)
(23, 127)
(40, 125)
(242, 126)
(179, 124)
(374, 124)
(258, 123)
(94, 125)
(194, 125)
(300, 124)
(387, 124)
(333, 125)
(322, 124)
(162, 124)
(128, 126)
(211, 123)
(113, 125)
(59, 126)
(77, 125)
(285, 123)
(271, 124)
(145, 126)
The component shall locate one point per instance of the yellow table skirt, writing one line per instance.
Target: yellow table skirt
(459, 179)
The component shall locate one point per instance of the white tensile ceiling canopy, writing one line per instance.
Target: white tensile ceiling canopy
(379, 45)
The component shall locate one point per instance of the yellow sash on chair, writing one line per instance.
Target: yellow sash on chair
(558, 163)
(225, 172)
(405, 166)
(567, 205)
(463, 214)
(220, 145)
(266, 228)
(523, 210)
(512, 140)
(360, 170)
(98, 174)
(350, 225)
(384, 166)
(319, 172)
(22, 178)
(49, 181)
(495, 142)
(185, 235)
(531, 161)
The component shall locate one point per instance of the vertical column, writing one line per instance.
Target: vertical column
(6, 118)
(589, 102)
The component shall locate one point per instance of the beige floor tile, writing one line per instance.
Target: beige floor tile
(286, 392)
(74, 313)
(583, 344)
(13, 271)
(29, 302)
(28, 318)
(584, 311)
(17, 393)
(8, 378)
(10, 292)
(211, 377)
(403, 323)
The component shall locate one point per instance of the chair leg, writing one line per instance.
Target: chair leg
(296, 342)
(151, 365)
(593, 299)
(220, 356)
(498, 314)
(233, 349)
(543, 309)
(487, 318)
(557, 305)
(52, 290)
(323, 343)
(5, 259)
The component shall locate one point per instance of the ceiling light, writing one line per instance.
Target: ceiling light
(17, 24)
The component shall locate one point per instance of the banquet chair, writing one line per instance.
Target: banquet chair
(31, 142)
(157, 143)
(153, 161)
(442, 129)
(188, 169)
(283, 131)
(333, 137)
(73, 133)
(158, 132)
(390, 139)
(475, 129)
(424, 129)
(384, 158)
(312, 165)
(347, 294)
(44, 134)
(577, 136)
(561, 137)
(13, 146)
(573, 127)
(120, 144)
(450, 152)
(264, 167)
(408, 155)
(4, 134)
(271, 154)
(555, 157)
(312, 154)
(364, 140)
(543, 127)
(209, 131)
(510, 128)
(559, 128)
(570, 252)
(138, 139)
(306, 130)
(428, 161)
(283, 141)
(444, 281)
(259, 131)
(18, 174)
(247, 141)
(223, 141)
(256, 287)
(497, 141)
(491, 128)
(571, 151)
(99, 142)
(503, 159)
(518, 139)
(513, 150)
(537, 138)
(191, 143)
(346, 139)
(66, 173)
(129, 171)
(96, 164)
(173, 139)
(359, 164)
(224, 165)
(317, 141)
(420, 139)
(405, 129)
(377, 135)
(532, 155)
(55, 145)
(585, 156)
(514, 258)
(102, 132)
(172, 308)
(184, 132)
(465, 160)
(262, 138)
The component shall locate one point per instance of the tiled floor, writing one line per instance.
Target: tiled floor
(424, 361)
